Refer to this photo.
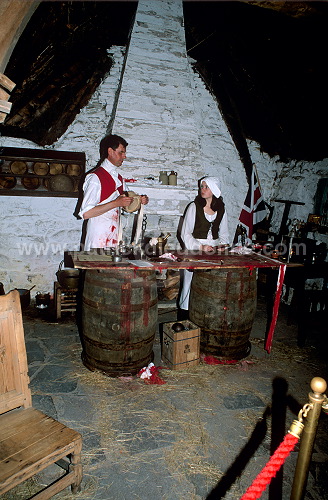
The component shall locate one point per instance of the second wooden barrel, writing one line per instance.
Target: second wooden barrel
(119, 320)
(223, 304)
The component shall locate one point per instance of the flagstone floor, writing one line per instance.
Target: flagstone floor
(204, 434)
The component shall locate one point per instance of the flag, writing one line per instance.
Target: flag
(254, 210)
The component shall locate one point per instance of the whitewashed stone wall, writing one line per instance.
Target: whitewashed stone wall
(219, 155)
(295, 181)
(171, 122)
(155, 107)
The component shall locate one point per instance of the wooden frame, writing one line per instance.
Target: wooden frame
(65, 299)
(41, 172)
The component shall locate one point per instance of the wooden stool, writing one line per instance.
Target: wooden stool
(65, 299)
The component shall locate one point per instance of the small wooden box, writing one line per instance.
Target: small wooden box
(181, 349)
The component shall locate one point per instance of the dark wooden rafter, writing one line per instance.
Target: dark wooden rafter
(59, 62)
(52, 106)
(6, 86)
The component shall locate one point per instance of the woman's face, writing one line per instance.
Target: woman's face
(205, 191)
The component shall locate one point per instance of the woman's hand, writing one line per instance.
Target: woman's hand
(222, 247)
(207, 248)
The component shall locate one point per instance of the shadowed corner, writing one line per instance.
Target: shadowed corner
(277, 411)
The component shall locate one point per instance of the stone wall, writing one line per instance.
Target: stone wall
(154, 99)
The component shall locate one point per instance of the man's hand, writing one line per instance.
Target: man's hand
(123, 201)
(144, 199)
(120, 201)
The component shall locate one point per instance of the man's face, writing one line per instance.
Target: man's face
(117, 156)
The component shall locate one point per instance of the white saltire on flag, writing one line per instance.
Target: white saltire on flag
(254, 210)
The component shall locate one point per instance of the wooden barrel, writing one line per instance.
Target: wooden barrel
(73, 169)
(223, 304)
(56, 168)
(41, 168)
(30, 182)
(119, 320)
(18, 167)
(7, 182)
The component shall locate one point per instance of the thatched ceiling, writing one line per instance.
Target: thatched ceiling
(263, 61)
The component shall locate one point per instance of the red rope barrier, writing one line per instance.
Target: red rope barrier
(270, 470)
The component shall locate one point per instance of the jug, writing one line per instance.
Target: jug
(163, 177)
(173, 178)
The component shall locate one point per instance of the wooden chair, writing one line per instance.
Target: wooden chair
(30, 441)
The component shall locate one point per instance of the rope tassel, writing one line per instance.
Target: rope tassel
(271, 468)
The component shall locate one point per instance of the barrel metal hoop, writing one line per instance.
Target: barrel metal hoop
(137, 283)
(118, 347)
(207, 331)
(115, 369)
(120, 307)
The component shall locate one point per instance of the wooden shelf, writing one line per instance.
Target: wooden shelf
(62, 172)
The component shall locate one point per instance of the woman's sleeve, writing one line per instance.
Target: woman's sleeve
(223, 230)
(187, 228)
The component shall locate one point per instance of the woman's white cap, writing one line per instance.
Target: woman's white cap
(214, 185)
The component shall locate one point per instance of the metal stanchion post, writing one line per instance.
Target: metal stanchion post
(317, 397)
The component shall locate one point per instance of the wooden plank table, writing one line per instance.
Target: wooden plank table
(191, 260)
(184, 260)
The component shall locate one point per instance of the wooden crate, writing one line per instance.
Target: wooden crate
(181, 349)
(65, 299)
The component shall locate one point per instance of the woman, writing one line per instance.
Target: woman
(204, 228)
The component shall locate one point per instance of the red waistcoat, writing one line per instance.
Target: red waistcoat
(108, 185)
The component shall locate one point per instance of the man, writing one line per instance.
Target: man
(104, 195)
